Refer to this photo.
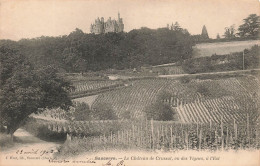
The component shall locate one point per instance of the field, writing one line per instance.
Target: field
(221, 48)
(193, 99)
(213, 113)
(90, 88)
(223, 95)
(154, 135)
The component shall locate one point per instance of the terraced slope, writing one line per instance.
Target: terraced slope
(221, 101)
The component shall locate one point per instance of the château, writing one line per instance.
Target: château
(109, 26)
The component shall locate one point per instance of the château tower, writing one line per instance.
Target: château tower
(109, 26)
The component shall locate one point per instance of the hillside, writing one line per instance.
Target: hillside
(199, 96)
(81, 52)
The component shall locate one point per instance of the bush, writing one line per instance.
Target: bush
(40, 130)
(5, 141)
(159, 111)
(185, 80)
(104, 111)
(164, 95)
(82, 112)
(203, 90)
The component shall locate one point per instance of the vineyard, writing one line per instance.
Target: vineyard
(166, 135)
(175, 70)
(87, 88)
(91, 85)
(198, 100)
(212, 110)
(225, 97)
(212, 114)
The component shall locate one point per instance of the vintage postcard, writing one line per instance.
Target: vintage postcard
(129, 82)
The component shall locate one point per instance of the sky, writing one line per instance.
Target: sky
(34, 18)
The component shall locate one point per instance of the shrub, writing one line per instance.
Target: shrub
(82, 112)
(164, 95)
(40, 130)
(203, 90)
(185, 80)
(159, 111)
(104, 111)
(5, 141)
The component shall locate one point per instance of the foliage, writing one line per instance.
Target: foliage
(203, 90)
(103, 111)
(250, 27)
(249, 30)
(39, 130)
(252, 58)
(223, 62)
(5, 141)
(218, 37)
(159, 111)
(80, 52)
(230, 32)
(204, 33)
(185, 79)
(169, 136)
(25, 90)
(82, 112)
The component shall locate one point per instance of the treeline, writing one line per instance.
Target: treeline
(227, 62)
(81, 52)
(249, 30)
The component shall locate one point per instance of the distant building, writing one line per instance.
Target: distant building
(109, 26)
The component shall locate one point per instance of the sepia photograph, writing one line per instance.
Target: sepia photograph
(130, 82)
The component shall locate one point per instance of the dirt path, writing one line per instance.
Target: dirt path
(28, 149)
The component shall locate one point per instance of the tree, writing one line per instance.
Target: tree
(82, 112)
(103, 111)
(204, 33)
(164, 95)
(80, 52)
(250, 28)
(218, 37)
(176, 27)
(230, 32)
(252, 59)
(25, 90)
(159, 111)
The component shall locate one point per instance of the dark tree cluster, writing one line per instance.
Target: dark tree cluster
(103, 111)
(249, 30)
(25, 90)
(161, 110)
(80, 52)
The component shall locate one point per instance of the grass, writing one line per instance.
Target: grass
(80, 146)
(221, 48)
(5, 141)
(37, 129)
